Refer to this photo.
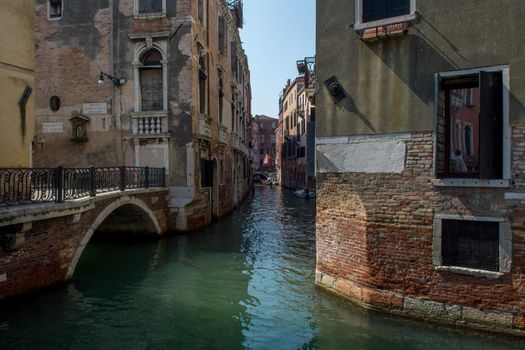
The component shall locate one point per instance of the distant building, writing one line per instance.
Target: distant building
(177, 95)
(421, 158)
(263, 137)
(17, 62)
(289, 117)
(296, 137)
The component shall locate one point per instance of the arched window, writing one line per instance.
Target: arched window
(151, 78)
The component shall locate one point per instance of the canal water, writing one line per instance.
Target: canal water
(246, 282)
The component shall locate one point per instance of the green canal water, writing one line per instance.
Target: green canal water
(247, 282)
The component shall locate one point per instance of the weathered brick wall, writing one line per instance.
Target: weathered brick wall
(374, 235)
(50, 245)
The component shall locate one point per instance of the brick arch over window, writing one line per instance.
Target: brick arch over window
(145, 219)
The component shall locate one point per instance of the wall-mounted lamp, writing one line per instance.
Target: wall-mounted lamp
(116, 81)
(335, 88)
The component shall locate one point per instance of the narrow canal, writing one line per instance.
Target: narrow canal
(244, 283)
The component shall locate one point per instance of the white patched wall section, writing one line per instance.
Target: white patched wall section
(362, 154)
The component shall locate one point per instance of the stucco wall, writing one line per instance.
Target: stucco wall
(390, 83)
(16, 71)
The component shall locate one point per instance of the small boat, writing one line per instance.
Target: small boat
(304, 193)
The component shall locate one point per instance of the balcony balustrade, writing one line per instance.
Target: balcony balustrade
(150, 124)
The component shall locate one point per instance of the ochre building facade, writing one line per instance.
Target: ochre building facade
(17, 62)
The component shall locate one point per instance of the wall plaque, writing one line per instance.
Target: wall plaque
(49, 128)
(95, 108)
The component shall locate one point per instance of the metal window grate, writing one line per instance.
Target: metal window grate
(471, 244)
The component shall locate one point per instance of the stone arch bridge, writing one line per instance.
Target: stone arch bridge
(44, 230)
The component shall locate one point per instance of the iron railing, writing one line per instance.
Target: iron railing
(39, 185)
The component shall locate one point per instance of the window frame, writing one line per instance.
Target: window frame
(222, 41)
(141, 47)
(360, 25)
(506, 139)
(138, 15)
(505, 246)
(49, 18)
(203, 21)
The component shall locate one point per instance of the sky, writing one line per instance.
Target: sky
(276, 34)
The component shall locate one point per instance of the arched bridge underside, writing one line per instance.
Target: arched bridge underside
(41, 244)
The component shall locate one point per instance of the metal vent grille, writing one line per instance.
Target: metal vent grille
(471, 244)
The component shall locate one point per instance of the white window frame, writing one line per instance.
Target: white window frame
(466, 182)
(141, 47)
(359, 25)
(139, 15)
(505, 246)
(49, 18)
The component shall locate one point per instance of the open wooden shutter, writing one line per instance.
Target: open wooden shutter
(234, 57)
(151, 89)
(491, 125)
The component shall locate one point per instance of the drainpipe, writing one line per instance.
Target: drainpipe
(112, 61)
(210, 200)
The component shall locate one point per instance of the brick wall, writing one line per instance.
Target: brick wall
(48, 248)
(374, 240)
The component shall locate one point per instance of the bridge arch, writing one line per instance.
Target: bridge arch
(135, 205)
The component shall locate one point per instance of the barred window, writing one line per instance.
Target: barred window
(471, 244)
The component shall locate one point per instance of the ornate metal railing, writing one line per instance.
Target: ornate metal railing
(39, 185)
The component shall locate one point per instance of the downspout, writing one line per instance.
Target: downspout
(210, 200)
(112, 61)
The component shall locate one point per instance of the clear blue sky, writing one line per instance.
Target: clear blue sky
(276, 34)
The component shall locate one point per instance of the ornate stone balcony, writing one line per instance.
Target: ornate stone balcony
(204, 129)
(223, 135)
(239, 145)
(150, 124)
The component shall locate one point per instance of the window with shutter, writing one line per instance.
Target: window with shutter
(222, 34)
(234, 57)
(151, 89)
(491, 125)
(202, 92)
(54, 9)
(470, 140)
(151, 81)
(201, 5)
